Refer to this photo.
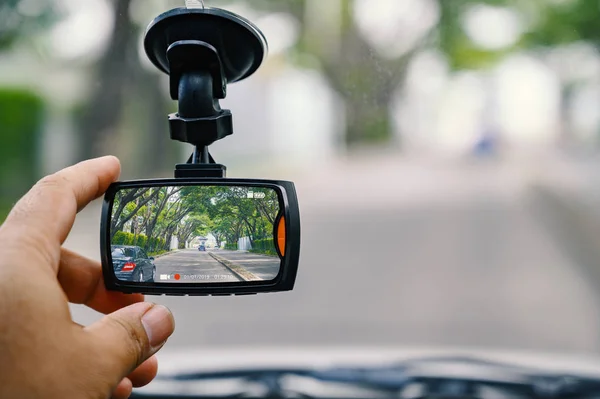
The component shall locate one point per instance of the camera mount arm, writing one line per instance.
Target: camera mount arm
(197, 82)
(203, 49)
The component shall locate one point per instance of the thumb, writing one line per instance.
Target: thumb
(129, 336)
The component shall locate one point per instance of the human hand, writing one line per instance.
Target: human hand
(43, 353)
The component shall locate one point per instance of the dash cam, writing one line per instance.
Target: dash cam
(201, 233)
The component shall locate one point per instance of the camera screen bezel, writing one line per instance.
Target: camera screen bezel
(289, 265)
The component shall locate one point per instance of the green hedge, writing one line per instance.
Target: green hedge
(141, 241)
(231, 246)
(266, 247)
(122, 238)
(152, 245)
(21, 121)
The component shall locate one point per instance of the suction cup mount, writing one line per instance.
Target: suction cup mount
(203, 49)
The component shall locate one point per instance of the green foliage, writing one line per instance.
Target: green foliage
(142, 241)
(231, 246)
(565, 22)
(21, 120)
(150, 245)
(233, 215)
(265, 247)
(551, 23)
(451, 37)
(156, 244)
(122, 238)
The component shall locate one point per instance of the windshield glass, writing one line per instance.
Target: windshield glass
(445, 153)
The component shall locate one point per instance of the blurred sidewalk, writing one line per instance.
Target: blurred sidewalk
(567, 192)
(575, 179)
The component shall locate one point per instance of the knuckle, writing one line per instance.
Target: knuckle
(53, 181)
(50, 180)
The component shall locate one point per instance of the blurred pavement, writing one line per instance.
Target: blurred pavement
(400, 252)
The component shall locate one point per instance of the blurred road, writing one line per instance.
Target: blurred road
(405, 253)
(192, 266)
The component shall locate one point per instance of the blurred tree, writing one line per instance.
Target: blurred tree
(367, 81)
(127, 97)
(454, 42)
(363, 78)
(562, 22)
(22, 18)
(548, 25)
(103, 112)
(21, 111)
(124, 97)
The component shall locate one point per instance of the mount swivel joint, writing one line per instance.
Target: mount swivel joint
(203, 49)
(198, 82)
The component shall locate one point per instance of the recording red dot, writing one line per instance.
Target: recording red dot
(177, 277)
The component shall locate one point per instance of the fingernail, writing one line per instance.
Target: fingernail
(158, 323)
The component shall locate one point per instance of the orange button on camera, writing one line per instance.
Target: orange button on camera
(281, 235)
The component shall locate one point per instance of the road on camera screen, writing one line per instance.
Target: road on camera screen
(218, 266)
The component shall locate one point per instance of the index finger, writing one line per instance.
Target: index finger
(40, 222)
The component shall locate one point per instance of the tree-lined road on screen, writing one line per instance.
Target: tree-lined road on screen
(192, 266)
(158, 219)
